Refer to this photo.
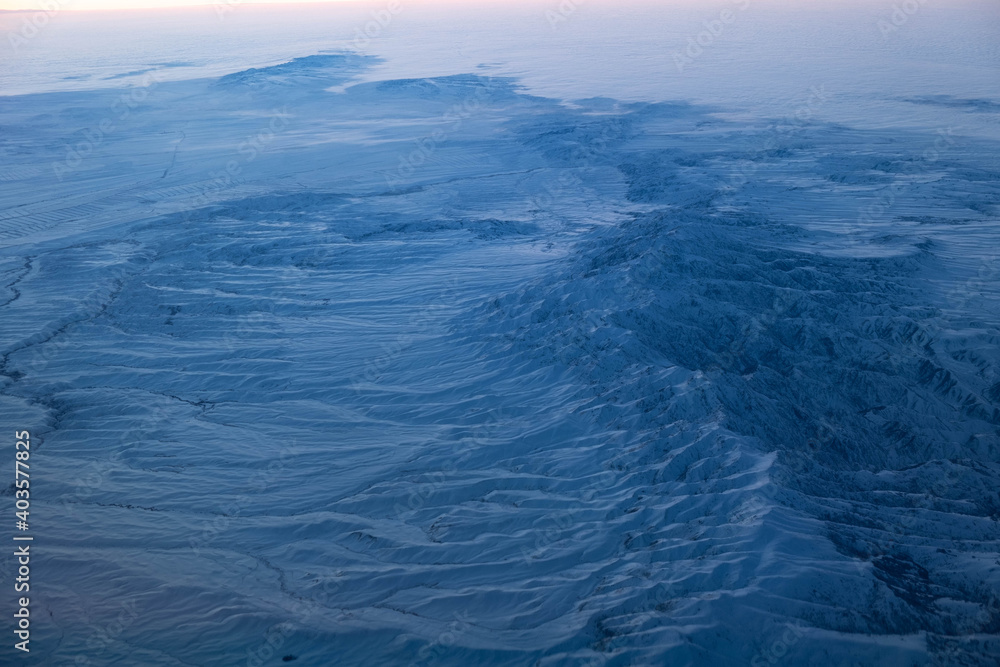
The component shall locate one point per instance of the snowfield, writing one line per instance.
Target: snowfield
(440, 371)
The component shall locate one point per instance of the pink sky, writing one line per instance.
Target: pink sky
(134, 4)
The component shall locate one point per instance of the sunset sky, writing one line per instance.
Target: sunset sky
(136, 4)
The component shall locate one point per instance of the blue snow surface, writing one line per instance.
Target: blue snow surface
(330, 369)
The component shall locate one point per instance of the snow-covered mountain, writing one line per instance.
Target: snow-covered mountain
(440, 371)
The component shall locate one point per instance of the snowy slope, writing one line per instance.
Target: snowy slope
(435, 371)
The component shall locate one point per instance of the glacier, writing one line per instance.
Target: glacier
(326, 366)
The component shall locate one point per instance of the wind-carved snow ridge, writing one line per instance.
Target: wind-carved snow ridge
(449, 374)
(329, 67)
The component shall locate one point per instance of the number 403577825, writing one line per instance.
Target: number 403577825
(22, 452)
(23, 448)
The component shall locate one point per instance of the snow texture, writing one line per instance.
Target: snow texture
(437, 371)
